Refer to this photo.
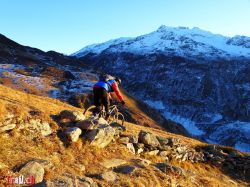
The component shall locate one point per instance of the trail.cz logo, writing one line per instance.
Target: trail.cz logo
(20, 180)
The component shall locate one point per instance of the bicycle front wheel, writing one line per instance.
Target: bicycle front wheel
(118, 118)
(89, 111)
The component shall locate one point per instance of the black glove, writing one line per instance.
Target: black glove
(123, 102)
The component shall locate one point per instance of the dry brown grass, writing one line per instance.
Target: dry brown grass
(18, 148)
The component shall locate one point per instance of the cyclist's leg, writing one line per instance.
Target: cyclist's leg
(106, 103)
(97, 100)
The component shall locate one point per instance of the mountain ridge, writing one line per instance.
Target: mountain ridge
(176, 40)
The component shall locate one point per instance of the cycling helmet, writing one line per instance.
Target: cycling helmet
(118, 80)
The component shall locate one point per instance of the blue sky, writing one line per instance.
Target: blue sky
(68, 25)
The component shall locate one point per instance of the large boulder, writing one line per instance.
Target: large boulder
(102, 136)
(73, 133)
(73, 116)
(33, 169)
(148, 139)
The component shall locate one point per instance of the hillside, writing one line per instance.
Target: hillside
(65, 78)
(84, 163)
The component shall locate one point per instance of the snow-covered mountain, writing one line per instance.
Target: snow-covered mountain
(180, 41)
(198, 79)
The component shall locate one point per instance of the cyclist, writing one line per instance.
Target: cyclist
(102, 90)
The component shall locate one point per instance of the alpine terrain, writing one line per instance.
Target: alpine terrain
(46, 140)
(196, 78)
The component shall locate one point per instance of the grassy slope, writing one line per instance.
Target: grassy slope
(16, 149)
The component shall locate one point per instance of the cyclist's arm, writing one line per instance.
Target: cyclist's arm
(117, 91)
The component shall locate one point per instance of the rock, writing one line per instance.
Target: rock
(148, 139)
(90, 124)
(73, 116)
(153, 153)
(111, 163)
(164, 153)
(73, 133)
(163, 141)
(86, 182)
(109, 176)
(118, 128)
(59, 182)
(139, 151)
(36, 125)
(124, 169)
(34, 169)
(169, 168)
(124, 140)
(138, 145)
(133, 139)
(181, 150)
(47, 165)
(6, 127)
(101, 137)
(71, 181)
(131, 148)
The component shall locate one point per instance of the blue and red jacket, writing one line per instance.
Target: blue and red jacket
(109, 86)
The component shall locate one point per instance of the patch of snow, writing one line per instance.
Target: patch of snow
(186, 123)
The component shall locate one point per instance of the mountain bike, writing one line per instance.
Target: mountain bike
(115, 115)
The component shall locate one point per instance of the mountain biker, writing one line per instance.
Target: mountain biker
(102, 90)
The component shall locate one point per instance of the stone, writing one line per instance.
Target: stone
(73, 133)
(73, 116)
(34, 169)
(138, 145)
(37, 125)
(148, 139)
(61, 181)
(90, 124)
(109, 176)
(131, 148)
(6, 127)
(133, 139)
(163, 141)
(181, 150)
(111, 163)
(101, 137)
(124, 169)
(153, 153)
(118, 128)
(124, 140)
(139, 151)
(47, 165)
(86, 182)
(164, 153)
(169, 168)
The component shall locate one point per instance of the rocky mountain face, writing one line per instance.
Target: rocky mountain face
(193, 77)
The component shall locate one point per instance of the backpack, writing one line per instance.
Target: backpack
(105, 77)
